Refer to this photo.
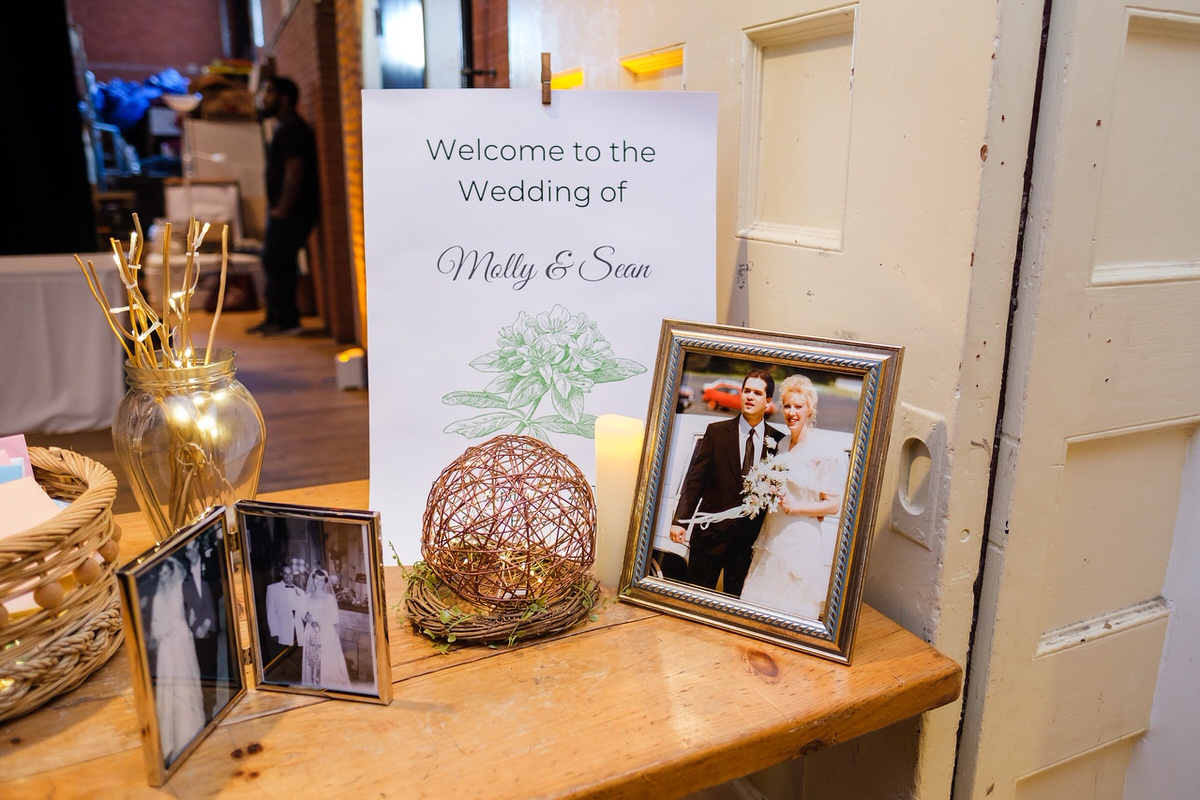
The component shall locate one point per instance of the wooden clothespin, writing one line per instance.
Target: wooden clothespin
(545, 79)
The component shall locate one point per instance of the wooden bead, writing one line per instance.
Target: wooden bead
(87, 572)
(108, 551)
(116, 536)
(49, 596)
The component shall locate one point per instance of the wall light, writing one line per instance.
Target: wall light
(654, 61)
(571, 79)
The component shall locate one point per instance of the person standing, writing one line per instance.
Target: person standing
(292, 203)
(713, 484)
(793, 556)
(200, 610)
(178, 698)
(324, 661)
(285, 612)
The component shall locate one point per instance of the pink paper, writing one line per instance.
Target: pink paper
(13, 448)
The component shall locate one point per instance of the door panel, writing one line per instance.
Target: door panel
(1103, 396)
(1091, 691)
(1114, 525)
(402, 43)
(797, 130)
(1094, 775)
(1144, 229)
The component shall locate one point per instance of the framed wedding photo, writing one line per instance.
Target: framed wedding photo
(759, 481)
(314, 589)
(180, 623)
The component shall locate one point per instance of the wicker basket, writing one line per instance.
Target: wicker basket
(51, 650)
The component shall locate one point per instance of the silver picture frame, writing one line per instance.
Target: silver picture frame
(791, 575)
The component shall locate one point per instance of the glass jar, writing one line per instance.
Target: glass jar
(189, 439)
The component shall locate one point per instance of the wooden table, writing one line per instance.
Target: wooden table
(636, 704)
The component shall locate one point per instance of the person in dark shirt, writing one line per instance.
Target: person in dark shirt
(292, 203)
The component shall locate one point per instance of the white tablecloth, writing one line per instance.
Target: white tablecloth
(60, 364)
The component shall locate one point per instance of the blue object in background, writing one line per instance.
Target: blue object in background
(169, 81)
(124, 103)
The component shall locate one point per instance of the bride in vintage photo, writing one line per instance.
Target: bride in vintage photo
(324, 662)
(177, 692)
(793, 555)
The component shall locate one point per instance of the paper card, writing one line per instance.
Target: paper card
(14, 451)
(23, 504)
(10, 471)
(520, 261)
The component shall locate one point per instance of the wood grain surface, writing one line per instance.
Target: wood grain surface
(634, 705)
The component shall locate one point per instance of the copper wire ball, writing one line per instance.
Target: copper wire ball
(510, 521)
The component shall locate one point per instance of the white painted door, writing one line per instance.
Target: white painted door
(870, 182)
(870, 177)
(1103, 397)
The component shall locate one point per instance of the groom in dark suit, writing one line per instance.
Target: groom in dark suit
(200, 611)
(714, 483)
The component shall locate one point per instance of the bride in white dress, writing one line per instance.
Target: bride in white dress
(324, 661)
(178, 697)
(793, 555)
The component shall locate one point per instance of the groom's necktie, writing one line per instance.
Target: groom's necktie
(748, 457)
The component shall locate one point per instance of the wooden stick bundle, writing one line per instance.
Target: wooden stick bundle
(172, 328)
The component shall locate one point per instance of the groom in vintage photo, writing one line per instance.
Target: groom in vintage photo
(285, 613)
(713, 483)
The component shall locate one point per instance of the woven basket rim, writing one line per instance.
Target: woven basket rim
(54, 649)
(100, 489)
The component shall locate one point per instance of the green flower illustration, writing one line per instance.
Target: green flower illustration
(553, 353)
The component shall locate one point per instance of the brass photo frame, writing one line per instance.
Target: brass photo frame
(314, 589)
(179, 613)
(775, 546)
(179, 608)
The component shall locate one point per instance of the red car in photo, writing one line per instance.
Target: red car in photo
(727, 395)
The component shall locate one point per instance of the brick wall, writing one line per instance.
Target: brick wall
(349, 49)
(306, 50)
(134, 39)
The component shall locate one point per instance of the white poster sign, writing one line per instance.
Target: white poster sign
(520, 261)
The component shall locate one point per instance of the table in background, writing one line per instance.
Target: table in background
(60, 364)
(635, 704)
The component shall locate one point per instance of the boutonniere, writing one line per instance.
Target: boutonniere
(771, 444)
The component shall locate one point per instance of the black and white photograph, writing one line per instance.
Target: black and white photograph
(314, 587)
(179, 618)
(769, 452)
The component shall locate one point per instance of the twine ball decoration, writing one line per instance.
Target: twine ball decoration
(510, 521)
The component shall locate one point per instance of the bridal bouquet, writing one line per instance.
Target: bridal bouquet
(763, 486)
(761, 489)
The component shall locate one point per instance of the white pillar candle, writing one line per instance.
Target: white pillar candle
(618, 451)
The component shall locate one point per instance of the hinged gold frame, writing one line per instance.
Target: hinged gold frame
(167, 742)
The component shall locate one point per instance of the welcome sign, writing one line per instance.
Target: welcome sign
(520, 261)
